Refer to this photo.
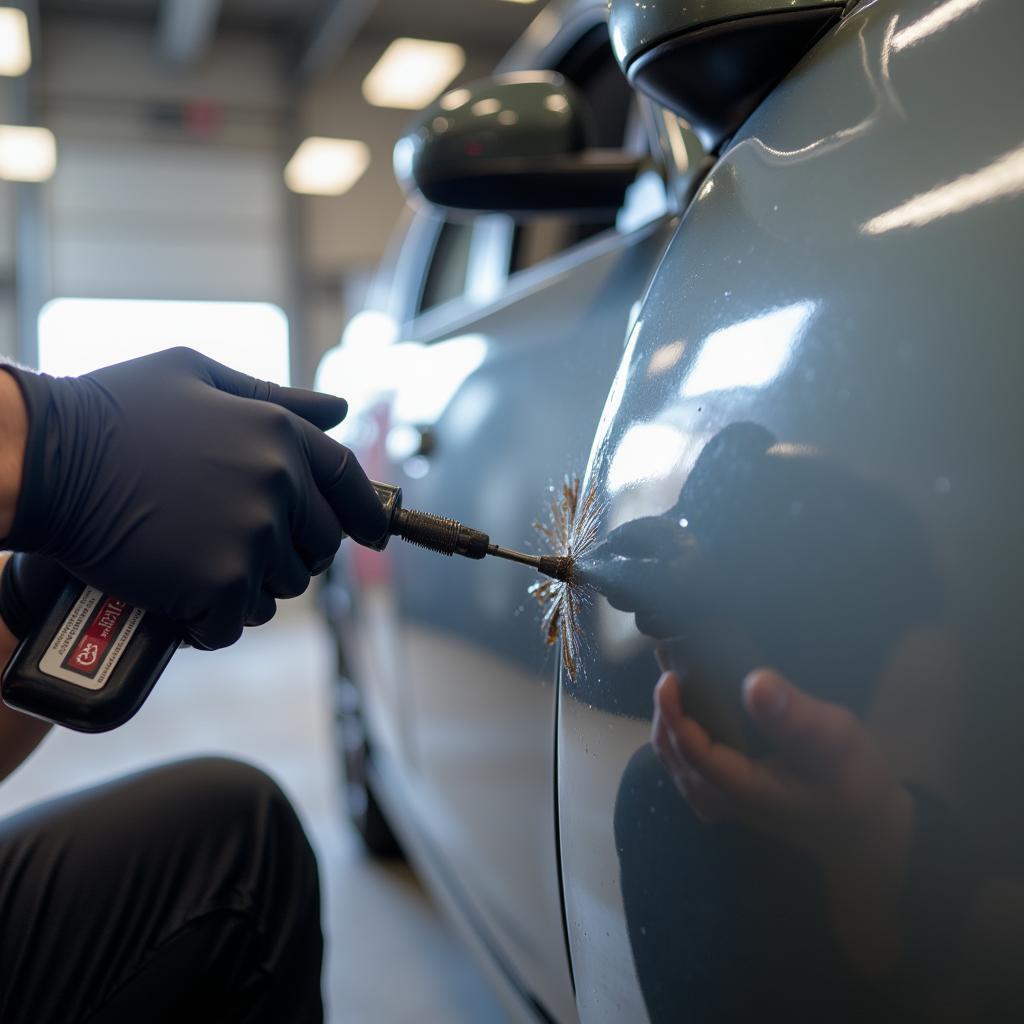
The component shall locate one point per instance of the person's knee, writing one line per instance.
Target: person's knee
(234, 795)
(229, 788)
(255, 841)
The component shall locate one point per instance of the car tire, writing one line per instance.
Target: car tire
(360, 803)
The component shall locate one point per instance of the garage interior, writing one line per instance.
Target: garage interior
(174, 120)
(692, 330)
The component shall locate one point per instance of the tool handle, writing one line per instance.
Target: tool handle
(91, 663)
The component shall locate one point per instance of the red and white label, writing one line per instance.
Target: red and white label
(91, 640)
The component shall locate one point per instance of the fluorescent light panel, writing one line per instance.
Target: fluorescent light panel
(326, 167)
(412, 73)
(27, 154)
(15, 51)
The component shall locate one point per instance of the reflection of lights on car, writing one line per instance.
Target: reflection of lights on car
(487, 106)
(417, 467)
(402, 157)
(934, 20)
(647, 451)
(788, 450)
(999, 180)
(370, 329)
(351, 375)
(403, 442)
(455, 99)
(664, 358)
(360, 369)
(428, 377)
(469, 409)
(748, 354)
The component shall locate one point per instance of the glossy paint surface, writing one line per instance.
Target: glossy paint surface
(811, 452)
(635, 25)
(481, 681)
(514, 115)
(460, 692)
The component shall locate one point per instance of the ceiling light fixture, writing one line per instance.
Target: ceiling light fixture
(27, 154)
(326, 167)
(15, 50)
(412, 72)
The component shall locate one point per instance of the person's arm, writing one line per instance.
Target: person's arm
(19, 734)
(13, 434)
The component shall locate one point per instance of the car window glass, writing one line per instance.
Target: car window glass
(446, 274)
(592, 68)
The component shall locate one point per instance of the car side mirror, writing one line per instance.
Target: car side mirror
(713, 62)
(513, 144)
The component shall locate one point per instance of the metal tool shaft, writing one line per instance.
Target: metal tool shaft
(450, 537)
(559, 567)
(514, 556)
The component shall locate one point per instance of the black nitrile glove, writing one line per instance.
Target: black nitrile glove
(29, 588)
(188, 489)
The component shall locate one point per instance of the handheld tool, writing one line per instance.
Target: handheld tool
(94, 660)
(450, 537)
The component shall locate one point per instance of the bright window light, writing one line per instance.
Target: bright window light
(27, 154)
(79, 335)
(326, 167)
(412, 72)
(15, 51)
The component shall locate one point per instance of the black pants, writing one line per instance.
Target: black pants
(186, 893)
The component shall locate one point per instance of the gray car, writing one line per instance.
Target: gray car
(756, 303)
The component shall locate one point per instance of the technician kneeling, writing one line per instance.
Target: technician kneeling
(190, 490)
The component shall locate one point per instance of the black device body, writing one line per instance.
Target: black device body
(91, 664)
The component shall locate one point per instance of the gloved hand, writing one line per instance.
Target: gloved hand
(29, 587)
(186, 488)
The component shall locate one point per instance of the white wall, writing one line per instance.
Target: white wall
(151, 220)
(138, 210)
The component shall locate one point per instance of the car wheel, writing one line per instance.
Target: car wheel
(361, 806)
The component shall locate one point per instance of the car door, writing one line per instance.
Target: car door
(498, 406)
(818, 413)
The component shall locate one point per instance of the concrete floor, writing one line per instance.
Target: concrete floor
(266, 701)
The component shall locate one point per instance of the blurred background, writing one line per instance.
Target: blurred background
(217, 173)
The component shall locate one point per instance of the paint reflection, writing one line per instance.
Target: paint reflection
(934, 21)
(646, 451)
(796, 840)
(750, 353)
(1003, 178)
(430, 376)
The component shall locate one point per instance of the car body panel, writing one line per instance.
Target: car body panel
(448, 654)
(847, 280)
(481, 681)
